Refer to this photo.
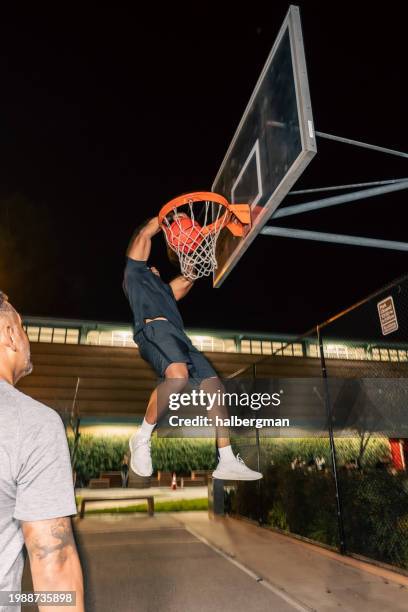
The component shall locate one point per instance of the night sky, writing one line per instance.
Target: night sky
(106, 114)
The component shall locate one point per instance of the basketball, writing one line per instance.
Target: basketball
(184, 234)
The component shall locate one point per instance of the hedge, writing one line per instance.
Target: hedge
(97, 454)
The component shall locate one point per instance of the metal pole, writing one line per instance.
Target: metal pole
(258, 457)
(349, 186)
(339, 199)
(287, 232)
(339, 509)
(358, 143)
(259, 482)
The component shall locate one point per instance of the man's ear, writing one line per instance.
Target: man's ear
(8, 337)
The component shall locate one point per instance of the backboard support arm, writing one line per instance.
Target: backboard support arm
(286, 232)
(364, 145)
(339, 199)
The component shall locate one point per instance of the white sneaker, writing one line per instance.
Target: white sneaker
(140, 457)
(235, 469)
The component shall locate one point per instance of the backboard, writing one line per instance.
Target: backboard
(273, 144)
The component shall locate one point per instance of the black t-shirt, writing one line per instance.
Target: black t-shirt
(149, 297)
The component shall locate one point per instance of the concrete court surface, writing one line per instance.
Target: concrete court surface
(185, 562)
(141, 564)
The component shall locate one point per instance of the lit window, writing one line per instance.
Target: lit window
(122, 338)
(341, 351)
(213, 344)
(288, 350)
(92, 337)
(245, 346)
(59, 335)
(33, 333)
(313, 350)
(256, 348)
(266, 347)
(116, 337)
(196, 342)
(72, 336)
(200, 342)
(46, 334)
(277, 348)
(218, 344)
(229, 345)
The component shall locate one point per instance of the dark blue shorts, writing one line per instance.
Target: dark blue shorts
(161, 343)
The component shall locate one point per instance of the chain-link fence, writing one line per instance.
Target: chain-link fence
(338, 475)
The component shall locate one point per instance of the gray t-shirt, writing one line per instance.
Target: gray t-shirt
(35, 476)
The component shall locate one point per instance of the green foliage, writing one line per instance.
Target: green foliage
(277, 517)
(177, 505)
(303, 502)
(284, 450)
(182, 455)
(99, 454)
(375, 505)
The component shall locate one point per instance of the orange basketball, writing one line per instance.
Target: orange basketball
(184, 234)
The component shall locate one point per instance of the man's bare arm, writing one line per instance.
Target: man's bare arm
(181, 286)
(54, 559)
(140, 246)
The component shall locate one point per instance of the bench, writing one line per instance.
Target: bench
(149, 498)
(201, 475)
(115, 478)
(192, 482)
(99, 483)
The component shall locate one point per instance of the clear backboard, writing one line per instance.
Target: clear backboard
(273, 144)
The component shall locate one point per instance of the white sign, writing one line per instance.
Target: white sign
(388, 316)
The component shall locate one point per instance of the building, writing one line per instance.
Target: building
(114, 383)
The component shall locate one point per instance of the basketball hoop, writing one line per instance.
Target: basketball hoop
(192, 223)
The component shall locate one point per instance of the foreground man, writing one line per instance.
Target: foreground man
(163, 343)
(36, 490)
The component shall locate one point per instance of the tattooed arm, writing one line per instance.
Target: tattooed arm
(54, 559)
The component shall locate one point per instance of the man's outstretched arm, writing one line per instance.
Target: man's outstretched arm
(54, 559)
(180, 286)
(141, 242)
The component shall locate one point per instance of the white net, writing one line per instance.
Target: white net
(192, 232)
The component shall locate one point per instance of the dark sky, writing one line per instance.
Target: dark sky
(105, 114)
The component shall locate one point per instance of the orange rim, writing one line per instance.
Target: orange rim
(198, 196)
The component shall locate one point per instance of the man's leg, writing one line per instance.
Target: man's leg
(230, 467)
(175, 379)
(212, 386)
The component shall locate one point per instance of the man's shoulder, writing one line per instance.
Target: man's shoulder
(32, 410)
(135, 271)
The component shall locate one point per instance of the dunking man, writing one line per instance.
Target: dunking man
(163, 343)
